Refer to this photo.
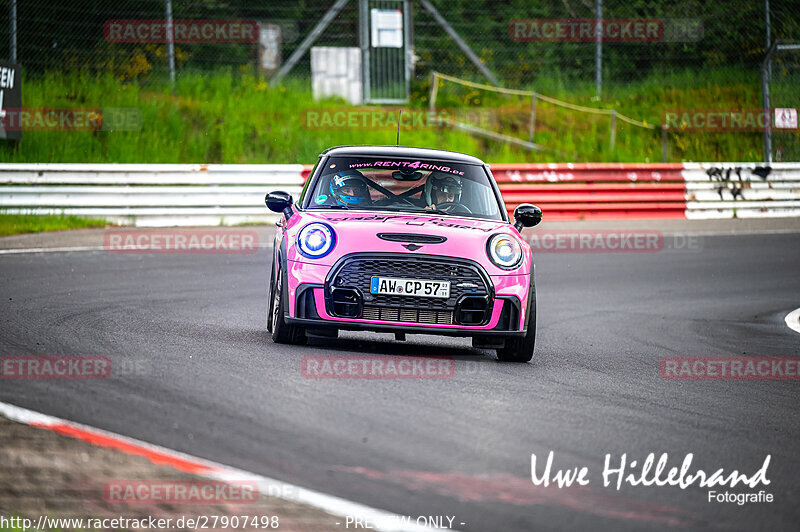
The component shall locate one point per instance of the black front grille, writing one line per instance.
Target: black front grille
(412, 238)
(465, 279)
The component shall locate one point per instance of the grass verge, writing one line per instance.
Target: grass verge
(16, 224)
(235, 117)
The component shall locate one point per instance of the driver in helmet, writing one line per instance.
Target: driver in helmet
(350, 188)
(442, 192)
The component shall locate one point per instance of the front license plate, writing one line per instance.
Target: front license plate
(410, 287)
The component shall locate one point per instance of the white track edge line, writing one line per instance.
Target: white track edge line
(793, 320)
(380, 519)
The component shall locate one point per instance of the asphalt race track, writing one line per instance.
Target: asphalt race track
(199, 374)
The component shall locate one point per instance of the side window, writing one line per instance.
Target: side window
(322, 190)
(304, 191)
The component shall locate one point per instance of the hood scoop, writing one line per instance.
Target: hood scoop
(412, 238)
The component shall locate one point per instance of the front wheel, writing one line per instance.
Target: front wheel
(282, 332)
(520, 348)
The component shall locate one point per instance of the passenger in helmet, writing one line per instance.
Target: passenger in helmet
(350, 188)
(442, 190)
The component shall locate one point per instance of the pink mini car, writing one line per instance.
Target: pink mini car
(403, 240)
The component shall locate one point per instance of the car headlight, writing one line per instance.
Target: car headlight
(316, 240)
(504, 251)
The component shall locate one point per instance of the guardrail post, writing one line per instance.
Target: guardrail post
(613, 129)
(532, 125)
(664, 143)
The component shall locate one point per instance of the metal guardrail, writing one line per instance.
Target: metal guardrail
(595, 190)
(217, 194)
(148, 194)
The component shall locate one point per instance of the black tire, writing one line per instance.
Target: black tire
(282, 332)
(520, 348)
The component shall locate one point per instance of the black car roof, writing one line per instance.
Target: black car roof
(402, 152)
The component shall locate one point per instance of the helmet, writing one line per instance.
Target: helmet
(349, 187)
(447, 184)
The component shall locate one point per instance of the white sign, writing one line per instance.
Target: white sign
(785, 118)
(387, 28)
(336, 72)
(269, 45)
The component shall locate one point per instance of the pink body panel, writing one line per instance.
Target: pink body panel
(356, 232)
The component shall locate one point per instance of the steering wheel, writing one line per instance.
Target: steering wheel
(456, 207)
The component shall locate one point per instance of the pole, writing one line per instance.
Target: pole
(170, 44)
(363, 42)
(769, 30)
(598, 53)
(13, 31)
(408, 44)
(765, 103)
(532, 125)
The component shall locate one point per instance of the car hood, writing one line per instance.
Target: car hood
(357, 232)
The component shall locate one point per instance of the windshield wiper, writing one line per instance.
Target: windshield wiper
(431, 211)
(337, 206)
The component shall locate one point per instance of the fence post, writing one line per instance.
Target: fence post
(598, 52)
(532, 126)
(434, 91)
(613, 129)
(765, 106)
(13, 31)
(170, 44)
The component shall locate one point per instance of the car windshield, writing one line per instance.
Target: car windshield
(404, 185)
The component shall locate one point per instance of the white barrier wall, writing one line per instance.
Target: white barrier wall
(148, 194)
(742, 190)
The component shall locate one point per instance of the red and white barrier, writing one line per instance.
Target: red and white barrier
(185, 194)
(595, 190)
(678, 190)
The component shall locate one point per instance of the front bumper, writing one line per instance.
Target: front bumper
(311, 313)
(338, 297)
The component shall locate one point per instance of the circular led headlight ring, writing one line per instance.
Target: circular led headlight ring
(504, 251)
(316, 240)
